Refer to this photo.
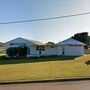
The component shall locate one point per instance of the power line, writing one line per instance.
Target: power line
(43, 19)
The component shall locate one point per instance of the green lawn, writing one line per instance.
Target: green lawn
(44, 68)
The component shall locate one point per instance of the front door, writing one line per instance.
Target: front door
(63, 50)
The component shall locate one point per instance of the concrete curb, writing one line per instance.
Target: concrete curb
(46, 81)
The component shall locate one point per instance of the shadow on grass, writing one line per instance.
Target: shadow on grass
(4, 60)
(88, 62)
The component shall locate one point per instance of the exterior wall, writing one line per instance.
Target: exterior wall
(33, 51)
(50, 51)
(73, 50)
(47, 52)
(59, 50)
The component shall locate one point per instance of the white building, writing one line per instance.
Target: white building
(31, 44)
(69, 47)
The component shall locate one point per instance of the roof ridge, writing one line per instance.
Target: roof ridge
(70, 41)
(32, 41)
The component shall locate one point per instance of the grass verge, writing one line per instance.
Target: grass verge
(15, 70)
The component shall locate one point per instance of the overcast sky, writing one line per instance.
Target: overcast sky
(52, 30)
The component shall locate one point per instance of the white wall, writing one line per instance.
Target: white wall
(33, 51)
(50, 50)
(47, 52)
(59, 50)
(74, 50)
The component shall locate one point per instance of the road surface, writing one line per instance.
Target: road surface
(72, 85)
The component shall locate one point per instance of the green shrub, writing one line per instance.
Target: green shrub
(12, 51)
(20, 51)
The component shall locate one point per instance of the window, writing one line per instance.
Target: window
(43, 48)
(40, 48)
(37, 48)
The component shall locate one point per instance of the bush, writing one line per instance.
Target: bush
(20, 51)
(12, 51)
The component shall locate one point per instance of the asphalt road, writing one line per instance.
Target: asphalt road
(71, 85)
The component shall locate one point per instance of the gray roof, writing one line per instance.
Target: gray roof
(32, 41)
(70, 41)
(35, 42)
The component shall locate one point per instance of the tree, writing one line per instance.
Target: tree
(89, 40)
(82, 37)
(50, 43)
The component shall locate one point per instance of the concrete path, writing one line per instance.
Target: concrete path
(71, 85)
